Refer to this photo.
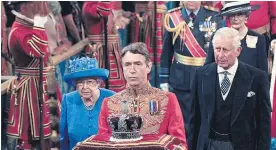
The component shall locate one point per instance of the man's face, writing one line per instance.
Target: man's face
(192, 5)
(87, 86)
(225, 52)
(237, 20)
(135, 69)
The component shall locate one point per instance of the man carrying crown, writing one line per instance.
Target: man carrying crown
(159, 109)
(27, 43)
(186, 39)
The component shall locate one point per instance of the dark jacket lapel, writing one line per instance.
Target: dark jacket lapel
(243, 81)
(209, 84)
(200, 16)
(185, 15)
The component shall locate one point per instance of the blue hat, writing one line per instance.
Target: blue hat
(84, 67)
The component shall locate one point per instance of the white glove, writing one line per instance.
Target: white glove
(40, 21)
(117, 13)
(121, 18)
(164, 86)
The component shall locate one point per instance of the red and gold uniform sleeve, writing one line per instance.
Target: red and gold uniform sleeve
(272, 11)
(103, 125)
(97, 9)
(176, 122)
(33, 42)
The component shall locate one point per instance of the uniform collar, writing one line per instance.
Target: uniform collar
(138, 91)
(195, 12)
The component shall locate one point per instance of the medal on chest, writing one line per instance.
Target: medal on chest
(191, 24)
(154, 107)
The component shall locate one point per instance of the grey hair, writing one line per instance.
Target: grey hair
(228, 33)
(137, 48)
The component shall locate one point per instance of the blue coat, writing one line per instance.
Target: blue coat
(250, 117)
(76, 122)
(176, 74)
(256, 57)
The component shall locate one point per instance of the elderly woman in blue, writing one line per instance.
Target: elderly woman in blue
(80, 109)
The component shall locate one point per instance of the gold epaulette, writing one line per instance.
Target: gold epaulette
(174, 9)
(210, 8)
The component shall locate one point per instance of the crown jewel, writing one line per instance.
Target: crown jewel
(125, 126)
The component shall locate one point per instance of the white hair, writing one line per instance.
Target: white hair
(228, 33)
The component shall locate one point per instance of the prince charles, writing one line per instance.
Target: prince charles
(231, 100)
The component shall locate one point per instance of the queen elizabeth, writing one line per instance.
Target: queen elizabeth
(80, 109)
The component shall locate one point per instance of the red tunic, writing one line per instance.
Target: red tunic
(94, 25)
(263, 15)
(167, 120)
(27, 43)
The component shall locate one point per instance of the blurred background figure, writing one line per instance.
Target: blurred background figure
(253, 44)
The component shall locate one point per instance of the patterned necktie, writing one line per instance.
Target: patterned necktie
(225, 84)
(192, 15)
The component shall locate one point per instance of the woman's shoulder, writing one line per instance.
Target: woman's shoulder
(253, 33)
(73, 93)
(107, 92)
(71, 96)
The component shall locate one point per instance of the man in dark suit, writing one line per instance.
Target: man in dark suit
(231, 100)
(188, 50)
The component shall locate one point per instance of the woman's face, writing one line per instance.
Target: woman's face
(238, 20)
(87, 87)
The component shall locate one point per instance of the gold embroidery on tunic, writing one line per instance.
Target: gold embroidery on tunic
(151, 123)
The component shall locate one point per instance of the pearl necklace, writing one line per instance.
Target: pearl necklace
(90, 107)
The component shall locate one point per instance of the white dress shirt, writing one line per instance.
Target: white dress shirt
(195, 12)
(231, 74)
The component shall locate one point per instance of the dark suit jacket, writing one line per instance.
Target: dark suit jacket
(256, 57)
(250, 118)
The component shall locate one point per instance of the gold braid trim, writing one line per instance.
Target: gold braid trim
(178, 29)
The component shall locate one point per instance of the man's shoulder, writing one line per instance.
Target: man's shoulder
(254, 71)
(174, 9)
(209, 12)
(206, 67)
(253, 33)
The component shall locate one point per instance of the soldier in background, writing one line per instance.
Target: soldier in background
(187, 36)
(93, 15)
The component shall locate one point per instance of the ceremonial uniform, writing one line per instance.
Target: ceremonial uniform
(164, 118)
(27, 43)
(93, 13)
(189, 54)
